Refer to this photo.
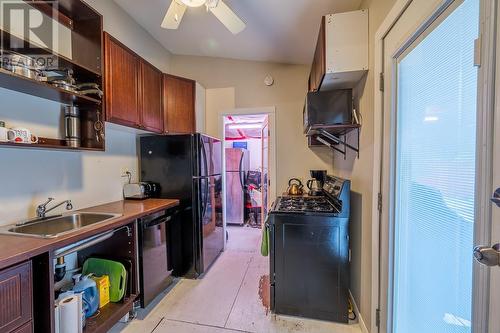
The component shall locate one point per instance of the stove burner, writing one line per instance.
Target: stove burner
(304, 204)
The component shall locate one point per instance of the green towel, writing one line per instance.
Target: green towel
(264, 246)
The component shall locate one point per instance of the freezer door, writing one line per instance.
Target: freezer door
(167, 160)
(209, 221)
(209, 155)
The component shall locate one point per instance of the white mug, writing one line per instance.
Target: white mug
(3, 134)
(21, 135)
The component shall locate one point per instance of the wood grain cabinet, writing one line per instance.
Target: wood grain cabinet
(139, 95)
(26, 328)
(121, 83)
(133, 88)
(179, 104)
(151, 98)
(318, 68)
(16, 299)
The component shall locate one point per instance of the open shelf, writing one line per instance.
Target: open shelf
(68, 11)
(32, 87)
(109, 315)
(337, 130)
(334, 137)
(83, 73)
(45, 143)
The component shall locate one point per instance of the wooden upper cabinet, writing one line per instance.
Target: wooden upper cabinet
(151, 98)
(141, 96)
(319, 63)
(341, 55)
(15, 297)
(179, 104)
(121, 83)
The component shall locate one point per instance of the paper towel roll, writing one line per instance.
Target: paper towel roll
(70, 314)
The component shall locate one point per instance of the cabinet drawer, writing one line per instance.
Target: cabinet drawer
(15, 297)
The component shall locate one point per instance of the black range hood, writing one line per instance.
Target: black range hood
(328, 118)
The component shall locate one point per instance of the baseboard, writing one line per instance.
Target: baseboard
(361, 322)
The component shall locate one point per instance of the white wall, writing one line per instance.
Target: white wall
(200, 107)
(88, 178)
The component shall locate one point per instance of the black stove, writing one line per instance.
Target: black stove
(305, 205)
(309, 253)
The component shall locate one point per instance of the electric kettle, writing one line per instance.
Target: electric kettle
(295, 187)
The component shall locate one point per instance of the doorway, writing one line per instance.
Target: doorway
(433, 161)
(246, 157)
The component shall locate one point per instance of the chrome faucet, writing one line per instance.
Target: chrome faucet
(42, 210)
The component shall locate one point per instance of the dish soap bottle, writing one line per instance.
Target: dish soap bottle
(90, 296)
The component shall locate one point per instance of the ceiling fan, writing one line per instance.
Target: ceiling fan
(227, 17)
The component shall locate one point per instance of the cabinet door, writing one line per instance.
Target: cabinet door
(151, 98)
(15, 297)
(179, 104)
(26, 328)
(318, 69)
(122, 83)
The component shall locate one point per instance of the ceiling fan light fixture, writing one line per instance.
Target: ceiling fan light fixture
(193, 3)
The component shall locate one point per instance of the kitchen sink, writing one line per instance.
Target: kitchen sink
(52, 227)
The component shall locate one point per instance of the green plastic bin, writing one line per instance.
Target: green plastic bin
(116, 272)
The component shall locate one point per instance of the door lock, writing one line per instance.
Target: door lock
(488, 256)
(496, 197)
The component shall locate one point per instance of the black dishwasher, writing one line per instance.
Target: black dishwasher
(155, 267)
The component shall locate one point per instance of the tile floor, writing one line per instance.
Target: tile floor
(225, 300)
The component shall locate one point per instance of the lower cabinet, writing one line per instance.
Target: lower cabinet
(26, 328)
(16, 301)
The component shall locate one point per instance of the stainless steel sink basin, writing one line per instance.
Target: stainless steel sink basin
(56, 226)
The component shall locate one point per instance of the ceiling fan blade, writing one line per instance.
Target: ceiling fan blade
(174, 15)
(228, 18)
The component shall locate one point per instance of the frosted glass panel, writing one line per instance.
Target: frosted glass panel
(435, 177)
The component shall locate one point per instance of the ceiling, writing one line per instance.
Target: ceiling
(256, 121)
(283, 31)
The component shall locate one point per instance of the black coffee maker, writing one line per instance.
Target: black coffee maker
(316, 186)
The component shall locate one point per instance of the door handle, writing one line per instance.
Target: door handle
(488, 256)
(496, 197)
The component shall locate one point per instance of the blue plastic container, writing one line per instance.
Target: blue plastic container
(90, 296)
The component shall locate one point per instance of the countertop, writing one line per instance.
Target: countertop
(15, 249)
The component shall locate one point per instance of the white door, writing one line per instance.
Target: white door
(434, 172)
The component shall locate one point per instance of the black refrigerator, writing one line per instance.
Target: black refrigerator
(188, 167)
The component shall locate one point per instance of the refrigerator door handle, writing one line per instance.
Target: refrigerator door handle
(204, 157)
(205, 200)
(203, 194)
(241, 172)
